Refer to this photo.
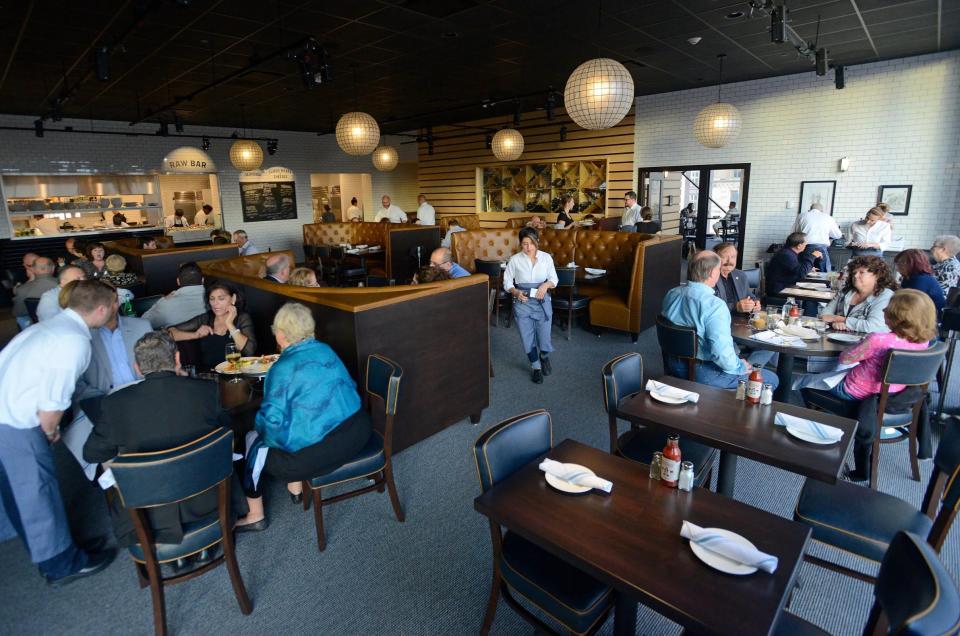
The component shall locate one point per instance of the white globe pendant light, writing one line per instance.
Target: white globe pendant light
(718, 124)
(599, 94)
(385, 158)
(246, 155)
(358, 133)
(507, 144)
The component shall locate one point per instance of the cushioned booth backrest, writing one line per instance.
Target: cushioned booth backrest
(145, 480)
(929, 602)
(622, 376)
(370, 233)
(488, 245)
(509, 445)
(947, 461)
(914, 367)
(517, 223)
(253, 265)
(560, 244)
(606, 250)
(353, 233)
(468, 221)
(383, 380)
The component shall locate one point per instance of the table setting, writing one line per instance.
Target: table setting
(668, 394)
(727, 551)
(808, 430)
(572, 479)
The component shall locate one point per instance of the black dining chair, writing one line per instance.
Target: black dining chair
(910, 368)
(573, 599)
(623, 377)
(495, 273)
(565, 298)
(677, 342)
(863, 522)
(914, 594)
(148, 480)
(144, 303)
(31, 305)
(375, 459)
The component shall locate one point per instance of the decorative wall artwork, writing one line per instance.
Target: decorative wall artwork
(897, 197)
(821, 192)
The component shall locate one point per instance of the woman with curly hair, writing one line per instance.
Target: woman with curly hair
(868, 290)
(916, 273)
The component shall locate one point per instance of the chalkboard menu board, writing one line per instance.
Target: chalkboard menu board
(268, 195)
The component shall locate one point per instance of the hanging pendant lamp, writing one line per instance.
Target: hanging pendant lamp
(599, 94)
(718, 124)
(246, 155)
(385, 158)
(358, 133)
(507, 144)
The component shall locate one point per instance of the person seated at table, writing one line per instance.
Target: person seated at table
(946, 267)
(430, 274)
(536, 222)
(820, 229)
(303, 277)
(563, 216)
(310, 421)
(246, 248)
(116, 272)
(646, 224)
(916, 273)
(453, 226)
(696, 305)
(732, 288)
(42, 281)
(859, 305)
(527, 277)
(181, 304)
(631, 210)
(224, 322)
(95, 264)
(49, 305)
(871, 236)
(278, 268)
(163, 411)
(147, 242)
(441, 258)
(790, 264)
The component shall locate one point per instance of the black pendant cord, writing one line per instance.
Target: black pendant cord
(720, 81)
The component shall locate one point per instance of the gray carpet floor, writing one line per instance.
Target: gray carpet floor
(429, 575)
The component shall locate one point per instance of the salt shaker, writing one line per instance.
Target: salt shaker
(741, 390)
(655, 465)
(686, 476)
(766, 394)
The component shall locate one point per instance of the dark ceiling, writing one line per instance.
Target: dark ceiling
(416, 62)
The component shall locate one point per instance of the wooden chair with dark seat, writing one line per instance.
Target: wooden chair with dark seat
(929, 604)
(570, 597)
(144, 303)
(349, 272)
(565, 298)
(863, 522)
(31, 305)
(148, 480)
(375, 459)
(623, 377)
(910, 368)
(677, 342)
(495, 273)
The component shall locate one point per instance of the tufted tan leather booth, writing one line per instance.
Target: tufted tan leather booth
(469, 221)
(517, 223)
(353, 233)
(488, 245)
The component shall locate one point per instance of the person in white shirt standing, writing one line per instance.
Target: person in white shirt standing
(631, 210)
(871, 236)
(38, 373)
(204, 216)
(354, 212)
(528, 276)
(390, 211)
(426, 215)
(821, 229)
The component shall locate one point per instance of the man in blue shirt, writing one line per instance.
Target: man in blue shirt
(441, 258)
(696, 305)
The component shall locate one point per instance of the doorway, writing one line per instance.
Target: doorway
(695, 202)
(334, 192)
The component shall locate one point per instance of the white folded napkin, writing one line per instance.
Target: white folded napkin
(353, 251)
(666, 390)
(727, 548)
(778, 339)
(815, 429)
(571, 264)
(360, 247)
(798, 331)
(575, 475)
(594, 270)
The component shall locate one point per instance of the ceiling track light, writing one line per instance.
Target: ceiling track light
(272, 147)
(205, 143)
(838, 77)
(778, 24)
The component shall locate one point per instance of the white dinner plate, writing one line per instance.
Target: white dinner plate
(807, 437)
(666, 399)
(843, 337)
(566, 486)
(249, 365)
(722, 563)
(816, 286)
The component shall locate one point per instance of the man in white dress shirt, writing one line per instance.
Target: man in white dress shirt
(426, 215)
(246, 247)
(49, 305)
(38, 373)
(632, 212)
(821, 229)
(390, 211)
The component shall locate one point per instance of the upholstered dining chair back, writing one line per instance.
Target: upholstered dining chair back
(913, 367)
(383, 382)
(930, 604)
(507, 446)
(678, 342)
(622, 376)
(567, 276)
(146, 480)
(490, 268)
(941, 501)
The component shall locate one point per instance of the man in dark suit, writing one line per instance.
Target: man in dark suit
(278, 269)
(164, 411)
(732, 288)
(790, 264)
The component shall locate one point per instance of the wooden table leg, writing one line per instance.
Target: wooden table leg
(785, 374)
(726, 474)
(625, 616)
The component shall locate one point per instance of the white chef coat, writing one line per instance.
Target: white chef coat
(426, 215)
(820, 227)
(879, 233)
(201, 218)
(353, 212)
(170, 221)
(394, 213)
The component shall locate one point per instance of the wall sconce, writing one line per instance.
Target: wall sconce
(669, 199)
(844, 164)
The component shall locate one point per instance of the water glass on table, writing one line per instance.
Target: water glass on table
(232, 354)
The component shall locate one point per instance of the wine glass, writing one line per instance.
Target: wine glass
(232, 354)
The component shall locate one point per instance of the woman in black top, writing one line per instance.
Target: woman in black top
(566, 205)
(224, 322)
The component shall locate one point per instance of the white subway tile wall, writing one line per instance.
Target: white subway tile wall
(898, 122)
(23, 153)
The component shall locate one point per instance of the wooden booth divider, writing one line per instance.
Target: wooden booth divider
(160, 266)
(398, 242)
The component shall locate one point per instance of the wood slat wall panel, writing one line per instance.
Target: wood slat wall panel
(449, 176)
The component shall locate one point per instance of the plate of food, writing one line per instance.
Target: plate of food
(816, 286)
(247, 365)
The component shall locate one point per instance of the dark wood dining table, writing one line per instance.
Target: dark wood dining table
(739, 428)
(821, 347)
(630, 540)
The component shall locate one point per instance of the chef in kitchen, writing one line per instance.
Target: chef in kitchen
(177, 219)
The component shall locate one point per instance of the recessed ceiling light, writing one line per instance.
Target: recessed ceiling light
(449, 35)
(733, 15)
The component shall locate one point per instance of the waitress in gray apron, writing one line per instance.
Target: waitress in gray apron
(528, 276)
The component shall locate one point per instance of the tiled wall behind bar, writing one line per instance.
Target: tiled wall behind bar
(304, 153)
(897, 121)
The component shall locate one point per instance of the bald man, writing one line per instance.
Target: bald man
(441, 258)
(28, 260)
(49, 305)
(278, 269)
(390, 211)
(42, 280)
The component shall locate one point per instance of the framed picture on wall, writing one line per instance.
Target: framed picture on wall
(897, 197)
(817, 192)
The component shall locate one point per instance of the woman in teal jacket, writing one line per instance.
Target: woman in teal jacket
(310, 422)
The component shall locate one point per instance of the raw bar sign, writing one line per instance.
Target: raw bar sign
(268, 195)
(188, 160)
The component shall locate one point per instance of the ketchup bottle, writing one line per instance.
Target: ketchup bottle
(754, 386)
(670, 464)
(794, 315)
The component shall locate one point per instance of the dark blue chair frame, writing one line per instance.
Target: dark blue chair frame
(383, 387)
(148, 480)
(565, 297)
(679, 342)
(495, 273)
(143, 303)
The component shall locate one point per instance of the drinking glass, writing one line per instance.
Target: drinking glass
(232, 354)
